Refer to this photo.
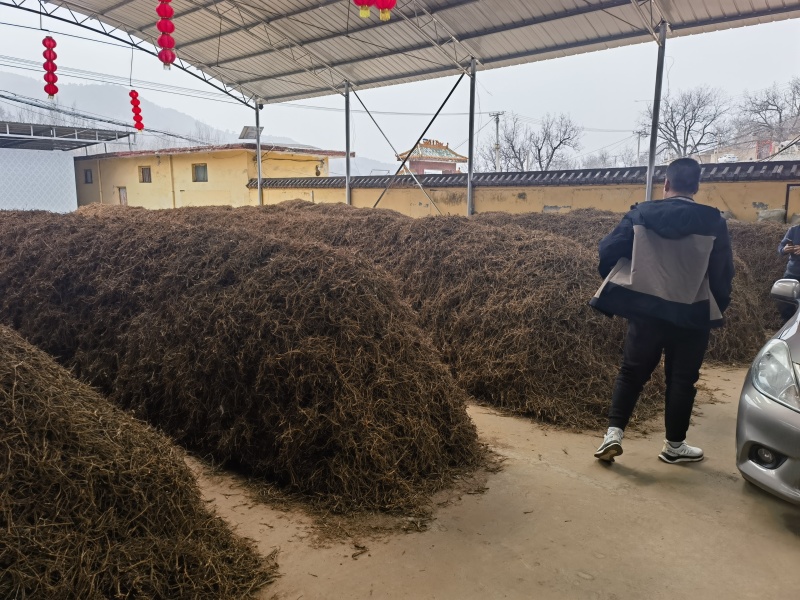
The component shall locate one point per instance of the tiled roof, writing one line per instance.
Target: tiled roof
(434, 150)
(265, 148)
(718, 173)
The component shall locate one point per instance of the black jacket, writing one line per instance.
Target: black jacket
(669, 260)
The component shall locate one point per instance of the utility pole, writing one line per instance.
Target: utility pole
(496, 116)
(639, 135)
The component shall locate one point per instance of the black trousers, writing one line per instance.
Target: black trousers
(683, 349)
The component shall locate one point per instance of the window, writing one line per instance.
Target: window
(200, 173)
(87, 176)
(144, 175)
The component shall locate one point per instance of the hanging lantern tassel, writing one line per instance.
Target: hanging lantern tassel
(385, 7)
(137, 110)
(364, 7)
(50, 68)
(166, 28)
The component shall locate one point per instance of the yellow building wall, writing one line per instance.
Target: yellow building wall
(88, 193)
(171, 178)
(276, 165)
(742, 199)
(227, 179)
(229, 171)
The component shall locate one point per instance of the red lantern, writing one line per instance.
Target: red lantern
(137, 111)
(165, 40)
(363, 6)
(50, 67)
(385, 6)
(165, 11)
(166, 27)
(167, 57)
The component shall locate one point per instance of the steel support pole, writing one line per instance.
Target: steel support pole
(651, 163)
(497, 143)
(471, 154)
(347, 191)
(259, 106)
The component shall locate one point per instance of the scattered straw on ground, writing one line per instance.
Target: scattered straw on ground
(94, 504)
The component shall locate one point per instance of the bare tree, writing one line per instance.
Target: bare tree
(525, 147)
(773, 113)
(599, 160)
(691, 121)
(555, 136)
(515, 145)
(629, 157)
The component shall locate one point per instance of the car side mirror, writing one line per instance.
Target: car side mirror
(786, 290)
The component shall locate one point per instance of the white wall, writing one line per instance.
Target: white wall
(37, 180)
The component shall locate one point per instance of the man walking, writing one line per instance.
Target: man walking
(668, 269)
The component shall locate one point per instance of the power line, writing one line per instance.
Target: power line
(67, 72)
(87, 116)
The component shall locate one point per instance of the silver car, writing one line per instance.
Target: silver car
(768, 424)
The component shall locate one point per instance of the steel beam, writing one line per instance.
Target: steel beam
(285, 45)
(396, 153)
(259, 106)
(471, 155)
(351, 33)
(130, 41)
(651, 163)
(433, 42)
(347, 191)
(419, 139)
(267, 21)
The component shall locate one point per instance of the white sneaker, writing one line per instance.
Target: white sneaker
(611, 446)
(683, 453)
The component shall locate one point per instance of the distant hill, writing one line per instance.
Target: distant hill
(97, 98)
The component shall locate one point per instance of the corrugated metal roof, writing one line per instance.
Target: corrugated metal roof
(718, 173)
(36, 136)
(282, 50)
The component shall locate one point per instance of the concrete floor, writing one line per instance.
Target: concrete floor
(557, 524)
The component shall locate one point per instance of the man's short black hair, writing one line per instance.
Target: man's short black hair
(684, 176)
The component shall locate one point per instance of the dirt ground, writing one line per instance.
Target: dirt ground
(555, 523)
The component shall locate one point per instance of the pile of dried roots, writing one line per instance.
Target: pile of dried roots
(751, 313)
(507, 308)
(289, 359)
(94, 504)
(757, 245)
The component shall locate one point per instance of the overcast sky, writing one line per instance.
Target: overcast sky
(601, 90)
